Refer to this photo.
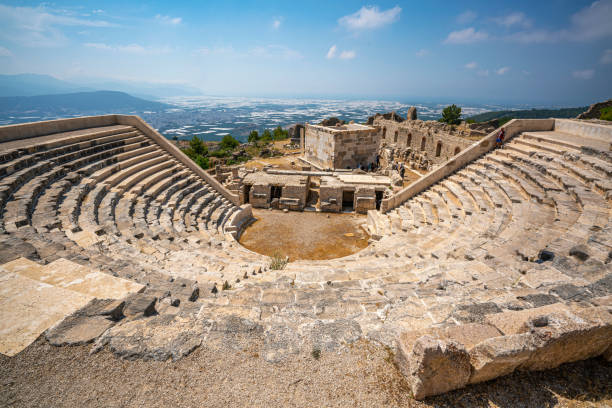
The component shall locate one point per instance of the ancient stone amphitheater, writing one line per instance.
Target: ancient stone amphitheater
(499, 260)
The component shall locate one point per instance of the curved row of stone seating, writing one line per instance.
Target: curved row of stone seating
(504, 212)
(90, 195)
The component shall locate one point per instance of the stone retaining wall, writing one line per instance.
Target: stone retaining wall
(477, 149)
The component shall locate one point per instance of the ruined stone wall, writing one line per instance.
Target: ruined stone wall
(420, 141)
(365, 199)
(353, 148)
(342, 148)
(294, 197)
(319, 146)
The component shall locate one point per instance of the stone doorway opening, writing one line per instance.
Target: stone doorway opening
(348, 200)
(247, 191)
(379, 198)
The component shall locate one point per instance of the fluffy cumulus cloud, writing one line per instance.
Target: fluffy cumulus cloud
(5, 52)
(466, 36)
(584, 74)
(606, 57)
(502, 70)
(466, 17)
(167, 20)
(331, 53)
(471, 65)
(370, 17)
(40, 27)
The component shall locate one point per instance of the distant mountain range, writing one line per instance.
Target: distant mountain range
(529, 114)
(34, 84)
(79, 103)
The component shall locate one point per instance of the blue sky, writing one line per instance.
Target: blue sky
(532, 52)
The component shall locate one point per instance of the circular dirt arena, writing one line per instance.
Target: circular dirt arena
(305, 235)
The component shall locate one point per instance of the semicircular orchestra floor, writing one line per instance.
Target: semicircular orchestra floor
(305, 235)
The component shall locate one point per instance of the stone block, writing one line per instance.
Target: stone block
(76, 330)
(436, 366)
(499, 356)
(139, 305)
(567, 337)
(514, 322)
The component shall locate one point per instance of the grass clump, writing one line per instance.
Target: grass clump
(226, 285)
(278, 262)
(316, 353)
(606, 113)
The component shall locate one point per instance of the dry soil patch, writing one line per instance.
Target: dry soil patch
(305, 235)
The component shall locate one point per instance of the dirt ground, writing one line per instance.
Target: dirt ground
(362, 376)
(305, 235)
(280, 162)
(410, 176)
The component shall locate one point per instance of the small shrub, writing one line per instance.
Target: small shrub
(316, 353)
(226, 285)
(278, 262)
(606, 113)
(228, 143)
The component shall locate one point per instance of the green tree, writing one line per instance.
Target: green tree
(202, 161)
(280, 133)
(253, 136)
(451, 115)
(228, 143)
(198, 146)
(267, 136)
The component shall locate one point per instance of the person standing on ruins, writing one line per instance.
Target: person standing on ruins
(500, 138)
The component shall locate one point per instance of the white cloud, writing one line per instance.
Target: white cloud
(466, 17)
(593, 22)
(606, 57)
(130, 48)
(483, 72)
(590, 23)
(471, 65)
(422, 53)
(347, 55)
(5, 52)
(502, 70)
(466, 36)
(584, 74)
(277, 23)
(331, 53)
(38, 26)
(369, 17)
(512, 19)
(167, 20)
